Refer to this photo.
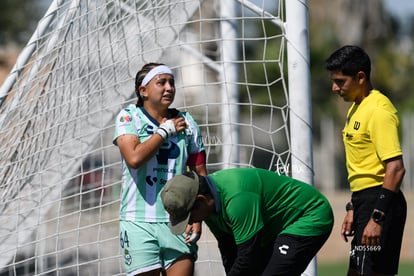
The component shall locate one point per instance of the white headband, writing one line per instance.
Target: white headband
(161, 69)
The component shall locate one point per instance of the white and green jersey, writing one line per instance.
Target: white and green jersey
(140, 198)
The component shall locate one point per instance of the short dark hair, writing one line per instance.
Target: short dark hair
(203, 188)
(349, 60)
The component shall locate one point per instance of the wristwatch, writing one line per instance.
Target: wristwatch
(378, 216)
(349, 206)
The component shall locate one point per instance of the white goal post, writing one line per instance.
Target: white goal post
(242, 71)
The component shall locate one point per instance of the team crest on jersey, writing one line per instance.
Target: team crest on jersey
(166, 152)
(127, 257)
(357, 125)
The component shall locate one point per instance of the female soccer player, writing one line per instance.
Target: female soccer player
(156, 143)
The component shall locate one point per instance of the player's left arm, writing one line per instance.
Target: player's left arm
(245, 217)
(197, 158)
(199, 168)
(228, 250)
(384, 128)
(384, 133)
(385, 136)
(196, 163)
(394, 173)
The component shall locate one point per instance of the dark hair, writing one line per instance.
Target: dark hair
(349, 60)
(140, 77)
(203, 188)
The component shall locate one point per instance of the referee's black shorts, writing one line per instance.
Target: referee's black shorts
(382, 259)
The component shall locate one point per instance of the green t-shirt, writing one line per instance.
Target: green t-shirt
(256, 199)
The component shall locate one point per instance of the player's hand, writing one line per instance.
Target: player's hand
(193, 232)
(372, 234)
(346, 229)
(169, 128)
(180, 124)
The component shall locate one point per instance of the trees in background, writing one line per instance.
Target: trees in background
(332, 23)
(369, 25)
(18, 20)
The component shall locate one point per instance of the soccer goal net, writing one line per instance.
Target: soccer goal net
(60, 174)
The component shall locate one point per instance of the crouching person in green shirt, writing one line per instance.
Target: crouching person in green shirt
(265, 223)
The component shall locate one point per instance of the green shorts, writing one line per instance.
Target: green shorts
(147, 246)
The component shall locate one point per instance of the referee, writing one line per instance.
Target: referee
(377, 210)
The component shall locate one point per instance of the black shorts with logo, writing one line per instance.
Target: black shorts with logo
(384, 258)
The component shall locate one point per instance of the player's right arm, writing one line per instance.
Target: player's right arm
(247, 258)
(228, 250)
(136, 153)
(347, 224)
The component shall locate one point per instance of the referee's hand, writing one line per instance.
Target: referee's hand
(346, 230)
(372, 234)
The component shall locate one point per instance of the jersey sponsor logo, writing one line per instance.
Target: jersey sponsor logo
(151, 180)
(171, 151)
(283, 249)
(165, 170)
(168, 151)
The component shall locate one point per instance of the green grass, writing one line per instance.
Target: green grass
(337, 269)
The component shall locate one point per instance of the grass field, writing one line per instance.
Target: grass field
(338, 269)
